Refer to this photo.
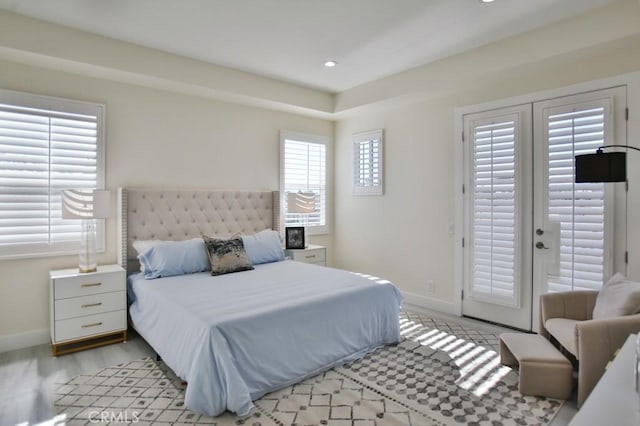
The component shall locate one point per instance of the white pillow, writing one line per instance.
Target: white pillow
(617, 298)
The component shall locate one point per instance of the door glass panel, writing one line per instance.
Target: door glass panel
(494, 267)
(578, 207)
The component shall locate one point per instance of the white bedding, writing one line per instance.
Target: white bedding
(238, 336)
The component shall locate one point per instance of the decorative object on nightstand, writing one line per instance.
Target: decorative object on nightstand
(311, 254)
(87, 205)
(87, 310)
(294, 237)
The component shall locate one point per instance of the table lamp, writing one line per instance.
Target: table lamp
(86, 205)
(301, 202)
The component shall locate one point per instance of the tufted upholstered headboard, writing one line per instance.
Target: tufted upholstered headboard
(180, 214)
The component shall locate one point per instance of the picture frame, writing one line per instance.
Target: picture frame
(294, 237)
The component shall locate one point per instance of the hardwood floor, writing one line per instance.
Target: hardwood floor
(27, 376)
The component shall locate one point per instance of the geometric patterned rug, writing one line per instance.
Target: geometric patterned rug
(441, 373)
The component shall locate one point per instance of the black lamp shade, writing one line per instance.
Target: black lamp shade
(601, 167)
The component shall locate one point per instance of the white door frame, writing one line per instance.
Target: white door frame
(632, 81)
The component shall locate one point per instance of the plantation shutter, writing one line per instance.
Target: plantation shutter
(367, 163)
(494, 253)
(305, 170)
(578, 207)
(46, 145)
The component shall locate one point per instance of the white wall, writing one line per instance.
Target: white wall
(406, 235)
(153, 138)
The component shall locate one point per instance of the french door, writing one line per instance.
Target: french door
(529, 229)
(498, 195)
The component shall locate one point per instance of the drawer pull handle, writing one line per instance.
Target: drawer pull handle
(90, 285)
(95, 324)
(90, 305)
(310, 256)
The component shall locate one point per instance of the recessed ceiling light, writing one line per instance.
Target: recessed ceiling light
(487, 1)
(330, 64)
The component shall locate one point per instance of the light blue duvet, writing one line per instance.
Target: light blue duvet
(235, 337)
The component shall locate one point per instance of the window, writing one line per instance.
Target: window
(367, 163)
(46, 145)
(303, 171)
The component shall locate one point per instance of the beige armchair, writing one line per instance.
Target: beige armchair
(566, 320)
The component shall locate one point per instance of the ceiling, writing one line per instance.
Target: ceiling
(289, 40)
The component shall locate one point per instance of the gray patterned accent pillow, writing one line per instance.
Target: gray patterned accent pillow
(226, 255)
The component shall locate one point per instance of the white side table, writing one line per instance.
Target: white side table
(312, 254)
(87, 310)
(614, 400)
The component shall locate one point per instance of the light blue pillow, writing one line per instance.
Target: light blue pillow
(263, 247)
(170, 258)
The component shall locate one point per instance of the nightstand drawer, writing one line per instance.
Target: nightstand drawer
(76, 328)
(86, 284)
(88, 305)
(312, 254)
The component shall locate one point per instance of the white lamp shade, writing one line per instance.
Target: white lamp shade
(85, 204)
(101, 204)
(301, 202)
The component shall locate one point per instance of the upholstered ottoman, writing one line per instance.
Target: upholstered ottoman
(544, 371)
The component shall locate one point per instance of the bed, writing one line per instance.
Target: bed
(238, 336)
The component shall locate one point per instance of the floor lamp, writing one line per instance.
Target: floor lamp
(86, 205)
(601, 166)
(605, 167)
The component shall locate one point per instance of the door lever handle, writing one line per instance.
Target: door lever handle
(540, 245)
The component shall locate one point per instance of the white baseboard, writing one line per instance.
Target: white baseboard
(428, 303)
(24, 340)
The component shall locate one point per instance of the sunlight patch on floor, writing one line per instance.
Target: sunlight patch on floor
(479, 367)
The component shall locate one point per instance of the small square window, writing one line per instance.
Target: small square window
(367, 163)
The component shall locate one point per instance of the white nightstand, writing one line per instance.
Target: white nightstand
(312, 254)
(87, 310)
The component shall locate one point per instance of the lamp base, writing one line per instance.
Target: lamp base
(87, 259)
